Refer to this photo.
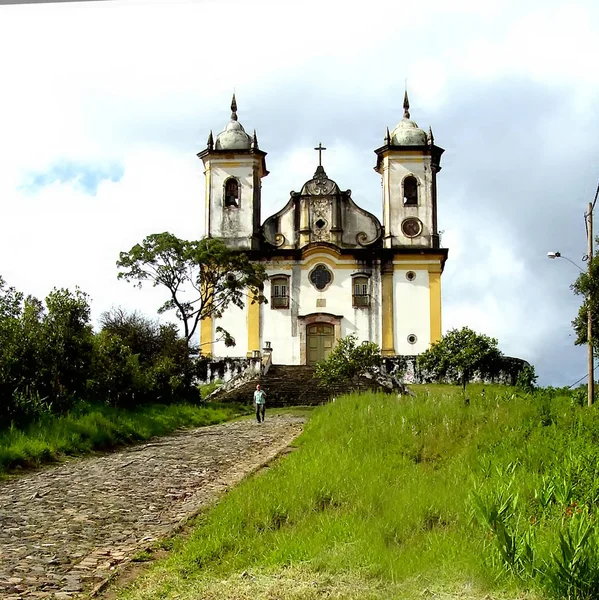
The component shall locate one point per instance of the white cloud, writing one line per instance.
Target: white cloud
(141, 83)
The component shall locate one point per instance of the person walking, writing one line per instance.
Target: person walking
(259, 397)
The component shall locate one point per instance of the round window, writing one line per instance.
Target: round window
(411, 227)
(321, 277)
(412, 339)
(410, 275)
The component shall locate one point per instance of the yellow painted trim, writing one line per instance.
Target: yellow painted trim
(424, 258)
(435, 305)
(253, 326)
(206, 340)
(320, 250)
(227, 163)
(330, 262)
(208, 174)
(403, 154)
(387, 314)
(430, 268)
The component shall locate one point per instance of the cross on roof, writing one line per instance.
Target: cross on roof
(320, 149)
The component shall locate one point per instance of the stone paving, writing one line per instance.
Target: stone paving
(64, 530)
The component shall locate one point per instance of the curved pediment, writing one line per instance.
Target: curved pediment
(321, 212)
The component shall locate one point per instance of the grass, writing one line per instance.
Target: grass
(89, 428)
(407, 498)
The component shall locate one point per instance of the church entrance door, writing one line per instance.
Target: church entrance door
(321, 338)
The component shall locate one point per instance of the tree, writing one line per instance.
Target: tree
(587, 286)
(459, 355)
(347, 360)
(45, 352)
(68, 342)
(202, 277)
(164, 367)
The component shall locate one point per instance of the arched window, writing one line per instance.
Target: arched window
(360, 292)
(231, 192)
(279, 291)
(410, 190)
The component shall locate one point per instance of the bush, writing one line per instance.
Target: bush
(50, 357)
(347, 360)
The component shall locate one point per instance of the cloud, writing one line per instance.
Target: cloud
(105, 105)
(84, 177)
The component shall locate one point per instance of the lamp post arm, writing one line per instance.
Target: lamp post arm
(571, 261)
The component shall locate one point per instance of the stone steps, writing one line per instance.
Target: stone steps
(288, 385)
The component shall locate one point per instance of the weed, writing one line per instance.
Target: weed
(90, 427)
(501, 494)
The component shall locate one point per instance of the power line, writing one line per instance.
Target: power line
(571, 386)
(586, 375)
(596, 195)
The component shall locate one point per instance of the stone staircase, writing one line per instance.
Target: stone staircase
(284, 385)
(289, 385)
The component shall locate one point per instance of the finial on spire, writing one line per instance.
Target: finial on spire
(210, 142)
(406, 105)
(387, 137)
(255, 141)
(430, 136)
(233, 108)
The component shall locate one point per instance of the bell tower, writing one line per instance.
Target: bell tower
(408, 164)
(234, 167)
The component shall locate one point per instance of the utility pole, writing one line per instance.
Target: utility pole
(589, 307)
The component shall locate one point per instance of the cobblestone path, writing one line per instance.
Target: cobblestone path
(64, 529)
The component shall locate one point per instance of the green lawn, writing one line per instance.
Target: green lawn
(407, 498)
(88, 428)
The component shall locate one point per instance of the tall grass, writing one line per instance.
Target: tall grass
(88, 427)
(389, 498)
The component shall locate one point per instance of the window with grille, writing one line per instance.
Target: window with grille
(361, 295)
(279, 292)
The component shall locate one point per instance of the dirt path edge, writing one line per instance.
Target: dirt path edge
(121, 569)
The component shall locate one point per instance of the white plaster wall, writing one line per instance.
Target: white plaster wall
(411, 311)
(281, 328)
(287, 228)
(356, 222)
(277, 325)
(234, 320)
(231, 222)
(398, 168)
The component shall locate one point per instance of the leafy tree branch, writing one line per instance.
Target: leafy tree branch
(203, 278)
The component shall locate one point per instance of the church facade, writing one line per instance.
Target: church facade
(333, 267)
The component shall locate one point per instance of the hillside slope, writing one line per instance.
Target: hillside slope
(409, 498)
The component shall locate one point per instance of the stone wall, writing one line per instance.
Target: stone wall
(224, 369)
(406, 370)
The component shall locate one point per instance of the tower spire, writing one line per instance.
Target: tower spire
(431, 138)
(406, 105)
(233, 108)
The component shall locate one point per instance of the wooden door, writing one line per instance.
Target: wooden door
(321, 338)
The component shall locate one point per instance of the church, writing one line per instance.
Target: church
(333, 268)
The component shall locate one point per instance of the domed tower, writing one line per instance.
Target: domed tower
(234, 167)
(408, 163)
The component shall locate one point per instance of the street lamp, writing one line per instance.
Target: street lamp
(588, 258)
(559, 255)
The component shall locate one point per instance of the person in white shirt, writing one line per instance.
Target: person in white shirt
(259, 397)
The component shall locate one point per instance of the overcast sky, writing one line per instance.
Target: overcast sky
(104, 105)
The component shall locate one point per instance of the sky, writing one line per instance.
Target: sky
(104, 106)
